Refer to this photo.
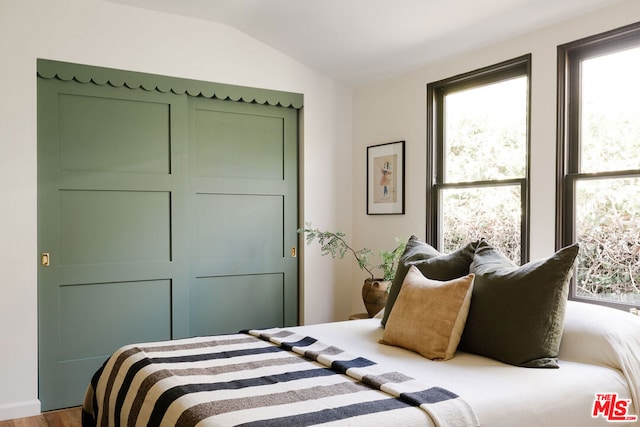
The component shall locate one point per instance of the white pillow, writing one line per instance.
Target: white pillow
(604, 336)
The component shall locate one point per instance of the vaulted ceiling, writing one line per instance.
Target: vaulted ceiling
(361, 41)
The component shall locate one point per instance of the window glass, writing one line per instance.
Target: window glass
(486, 132)
(608, 229)
(610, 112)
(599, 181)
(479, 138)
(493, 212)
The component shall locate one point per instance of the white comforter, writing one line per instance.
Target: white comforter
(600, 353)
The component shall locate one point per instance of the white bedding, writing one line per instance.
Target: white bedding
(193, 379)
(600, 353)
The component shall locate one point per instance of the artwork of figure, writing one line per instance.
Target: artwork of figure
(385, 191)
(386, 179)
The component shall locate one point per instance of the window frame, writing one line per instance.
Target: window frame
(568, 153)
(436, 91)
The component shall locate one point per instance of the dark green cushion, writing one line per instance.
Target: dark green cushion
(431, 263)
(517, 313)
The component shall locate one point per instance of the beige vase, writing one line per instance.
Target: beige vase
(374, 295)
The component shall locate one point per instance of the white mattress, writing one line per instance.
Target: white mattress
(501, 395)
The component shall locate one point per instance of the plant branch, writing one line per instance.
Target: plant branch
(335, 245)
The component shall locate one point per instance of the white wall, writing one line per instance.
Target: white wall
(106, 34)
(396, 110)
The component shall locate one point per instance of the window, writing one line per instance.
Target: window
(599, 164)
(478, 142)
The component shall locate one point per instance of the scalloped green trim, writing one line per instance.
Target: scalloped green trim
(67, 71)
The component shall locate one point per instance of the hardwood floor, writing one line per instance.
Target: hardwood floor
(63, 418)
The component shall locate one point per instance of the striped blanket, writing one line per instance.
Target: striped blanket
(260, 378)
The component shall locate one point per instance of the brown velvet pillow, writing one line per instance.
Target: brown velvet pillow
(429, 315)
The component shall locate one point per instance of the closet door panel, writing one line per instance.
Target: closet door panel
(228, 304)
(106, 226)
(244, 193)
(233, 225)
(107, 213)
(238, 145)
(113, 135)
(92, 330)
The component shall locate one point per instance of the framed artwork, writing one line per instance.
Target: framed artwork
(385, 179)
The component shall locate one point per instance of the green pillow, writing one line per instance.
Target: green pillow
(517, 313)
(431, 263)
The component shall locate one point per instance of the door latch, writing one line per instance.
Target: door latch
(45, 259)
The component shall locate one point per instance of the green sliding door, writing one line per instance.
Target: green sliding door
(243, 182)
(160, 215)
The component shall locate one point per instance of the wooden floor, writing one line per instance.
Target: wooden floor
(62, 418)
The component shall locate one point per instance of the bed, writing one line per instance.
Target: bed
(352, 373)
(599, 353)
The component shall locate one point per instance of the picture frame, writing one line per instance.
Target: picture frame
(385, 179)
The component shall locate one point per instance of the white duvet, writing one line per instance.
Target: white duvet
(600, 354)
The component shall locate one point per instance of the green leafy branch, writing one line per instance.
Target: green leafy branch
(390, 259)
(335, 245)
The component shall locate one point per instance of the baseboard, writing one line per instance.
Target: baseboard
(28, 408)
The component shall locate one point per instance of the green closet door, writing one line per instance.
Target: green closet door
(243, 192)
(111, 201)
(165, 213)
